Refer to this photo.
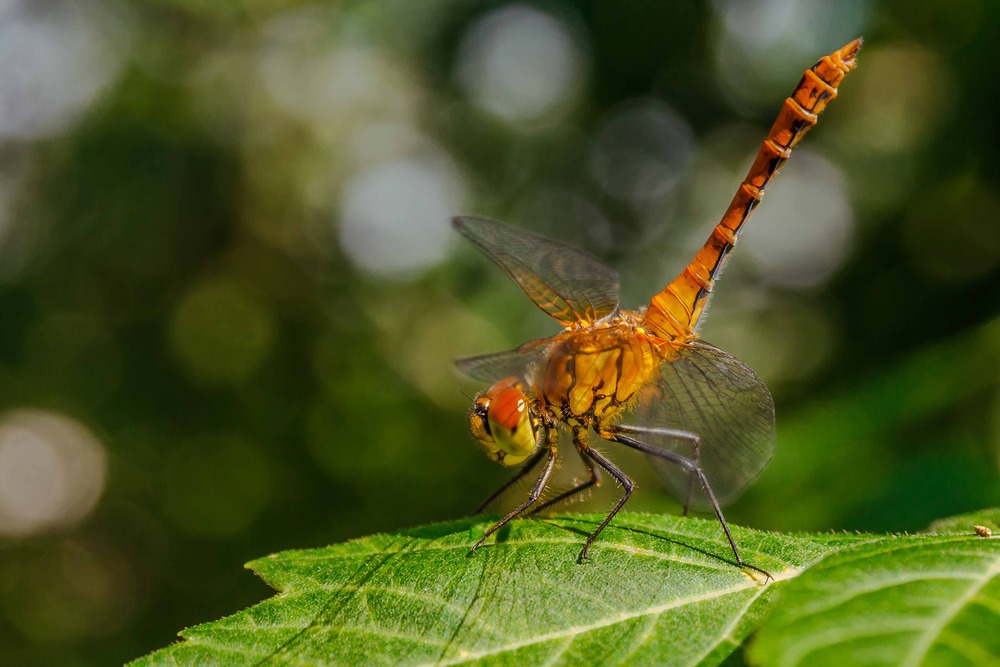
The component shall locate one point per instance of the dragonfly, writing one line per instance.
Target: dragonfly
(638, 378)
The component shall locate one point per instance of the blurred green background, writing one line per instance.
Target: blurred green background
(230, 297)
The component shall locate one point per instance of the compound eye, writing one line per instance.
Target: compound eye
(510, 418)
(502, 423)
(507, 408)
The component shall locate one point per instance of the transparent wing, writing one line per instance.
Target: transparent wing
(711, 393)
(519, 363)
(567, 283)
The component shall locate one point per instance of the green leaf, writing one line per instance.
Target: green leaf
(907, 600)
(658, 590)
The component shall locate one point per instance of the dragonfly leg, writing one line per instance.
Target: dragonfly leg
(696, 459)
(625, 481)
(694, 470)
(594, 480)
(677, 434)
(525, 469)
(536, 492)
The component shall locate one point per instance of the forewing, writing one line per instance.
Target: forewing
(519, 363)
(567, 283)
(706, 391)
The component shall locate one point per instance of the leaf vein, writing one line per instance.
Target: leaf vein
(727, 632)
(976, 653)
(611, 620)
(639, 642)
(560, 653)
(937, 626)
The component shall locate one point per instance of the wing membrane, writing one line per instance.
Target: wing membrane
(569, 284)
(519, 363)
(707, 391)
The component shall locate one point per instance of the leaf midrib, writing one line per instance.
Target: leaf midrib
(619, 618)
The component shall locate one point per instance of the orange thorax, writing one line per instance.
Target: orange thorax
(591, 375)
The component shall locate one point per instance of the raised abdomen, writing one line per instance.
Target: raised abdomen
(674, 312)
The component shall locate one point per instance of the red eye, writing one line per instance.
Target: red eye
(507, 407)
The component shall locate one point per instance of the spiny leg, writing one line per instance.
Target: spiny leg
(594, 480)
(525, 469)
(696, 459)
(677, 434)
(536, 492)
(616, 434)
(627, 483)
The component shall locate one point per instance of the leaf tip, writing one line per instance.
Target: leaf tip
(258, 564)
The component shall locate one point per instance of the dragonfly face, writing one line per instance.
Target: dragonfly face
(503, 423)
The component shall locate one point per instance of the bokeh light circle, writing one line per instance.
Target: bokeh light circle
(52, 472)
(221, 332)
(641, 151)
(57, 60)
(806, 230)
(394, 216)
(521, 64)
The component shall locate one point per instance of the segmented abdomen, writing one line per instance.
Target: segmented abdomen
(674, 312)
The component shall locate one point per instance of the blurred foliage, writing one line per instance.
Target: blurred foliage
(225, 259)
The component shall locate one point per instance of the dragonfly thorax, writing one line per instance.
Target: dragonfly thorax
(591, 377)
(504, 422)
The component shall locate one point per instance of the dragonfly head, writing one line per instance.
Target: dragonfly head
(504, 424)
